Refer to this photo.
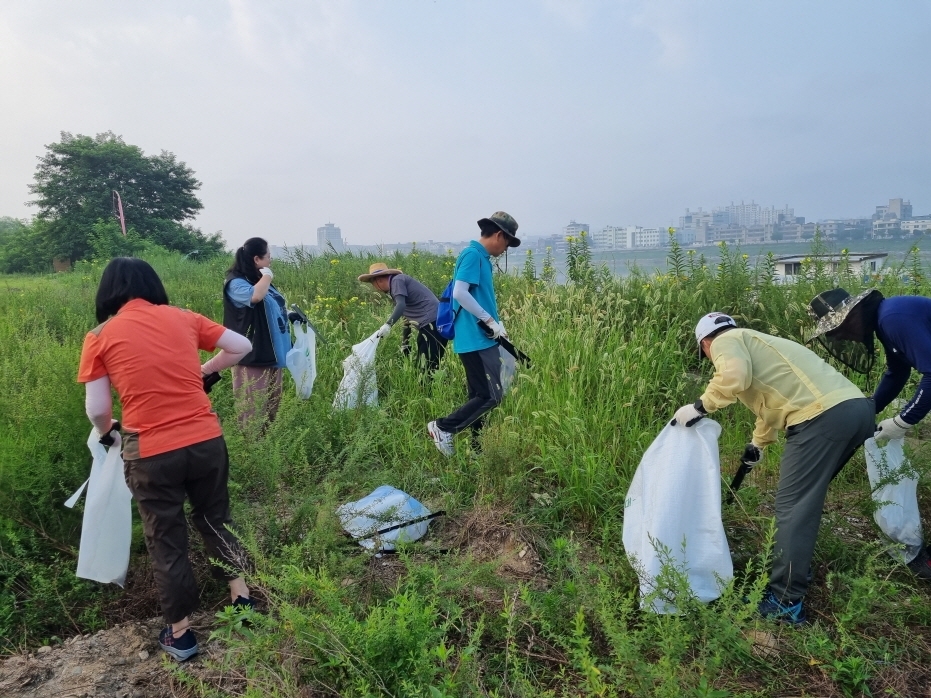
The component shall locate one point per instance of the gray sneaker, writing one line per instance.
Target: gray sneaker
(443, 440)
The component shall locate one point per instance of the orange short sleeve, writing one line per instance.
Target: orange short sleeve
(208, 332)
(91, 367)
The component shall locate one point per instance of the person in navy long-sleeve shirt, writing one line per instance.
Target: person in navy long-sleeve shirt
(903, 326)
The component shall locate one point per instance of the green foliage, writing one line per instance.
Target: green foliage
(529, 272)
(554, 464)
(549, 267)
(23, 247)
(74, 182)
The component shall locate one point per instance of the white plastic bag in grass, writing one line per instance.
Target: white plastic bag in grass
(377, 521)
(898, 515)
(358, 385)
(106, 531)
(672, 514)
(508, 369)
(301, 360)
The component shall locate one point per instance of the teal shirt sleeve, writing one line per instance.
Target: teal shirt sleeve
(470, 268)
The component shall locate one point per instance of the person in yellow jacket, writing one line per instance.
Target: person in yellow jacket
(825, 416)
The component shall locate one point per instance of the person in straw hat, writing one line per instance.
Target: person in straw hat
(846, 326)
(477, 329)
(826, 418)
(416, 303)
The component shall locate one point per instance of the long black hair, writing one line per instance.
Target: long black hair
(123, 279)
(244, 262)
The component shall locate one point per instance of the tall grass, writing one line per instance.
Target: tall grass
(612, 360)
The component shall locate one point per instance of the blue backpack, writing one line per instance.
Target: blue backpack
(445, 317)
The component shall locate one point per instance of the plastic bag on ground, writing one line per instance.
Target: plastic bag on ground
(674, 505)
(301, 360)
(386, 507)
(358, 383)
(106, 532)
(508, 369)
(898, 516)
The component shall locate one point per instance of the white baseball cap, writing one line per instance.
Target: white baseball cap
(711, 323)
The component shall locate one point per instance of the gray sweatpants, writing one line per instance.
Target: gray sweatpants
(815, 452)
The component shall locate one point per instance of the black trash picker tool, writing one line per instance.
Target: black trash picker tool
(745, 467)
(298, 315)
(505, 343)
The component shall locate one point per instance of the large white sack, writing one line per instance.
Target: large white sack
(301, 360)
(675, 497)
(898, 517)
(386, 507)
(106, 532)
(358, 376)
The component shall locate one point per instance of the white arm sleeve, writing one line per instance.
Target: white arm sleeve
(98, 403)
(233, 346)
(467, 301)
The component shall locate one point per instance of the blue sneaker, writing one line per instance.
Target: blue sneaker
(773, 608)
(180, 648)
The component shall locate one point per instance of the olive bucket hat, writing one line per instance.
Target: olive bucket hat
(845, 324)
(503, 222)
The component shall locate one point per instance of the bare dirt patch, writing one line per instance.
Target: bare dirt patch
(124, 661)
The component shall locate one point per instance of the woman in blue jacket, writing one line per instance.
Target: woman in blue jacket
(253, 307)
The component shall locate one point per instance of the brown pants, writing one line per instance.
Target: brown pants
(159, 485)
(258, 393)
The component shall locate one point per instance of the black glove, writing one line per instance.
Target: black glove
(108, 440)
(295, 317)
(752, 455)
(210, 380)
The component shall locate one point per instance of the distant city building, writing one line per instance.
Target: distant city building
(896, 208)
(882, 228)
(608, 238)
(635, 236)
(917, 225)
(790, 266)
(574, 229)
(327, 235)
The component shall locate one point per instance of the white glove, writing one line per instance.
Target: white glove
(265, 271)
(688, 415)
(383, 331)
(892, 428)
(497, 329)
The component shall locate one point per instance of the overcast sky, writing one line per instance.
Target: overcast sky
(405, 120)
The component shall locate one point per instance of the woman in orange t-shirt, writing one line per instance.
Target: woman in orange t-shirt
(173, 446)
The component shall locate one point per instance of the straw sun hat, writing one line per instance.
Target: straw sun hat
(378, 269)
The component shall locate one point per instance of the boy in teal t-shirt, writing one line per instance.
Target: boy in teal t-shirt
(476, 344)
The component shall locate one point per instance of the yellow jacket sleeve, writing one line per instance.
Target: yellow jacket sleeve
(763, 434)
(732, 373)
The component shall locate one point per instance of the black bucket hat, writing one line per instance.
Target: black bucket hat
(856, 315)
(503, 222)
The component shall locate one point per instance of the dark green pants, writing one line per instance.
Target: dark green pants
(815, 452)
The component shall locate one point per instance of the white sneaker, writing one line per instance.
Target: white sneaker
(443, 440)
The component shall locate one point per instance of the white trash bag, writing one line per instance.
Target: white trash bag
(675, 497)
(106, 532)
(898, 516)
(386, 508)
(301, 360)
(508, 369)
(358, 376)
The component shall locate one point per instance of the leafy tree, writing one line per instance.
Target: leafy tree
(74, 182)
(22, 247)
